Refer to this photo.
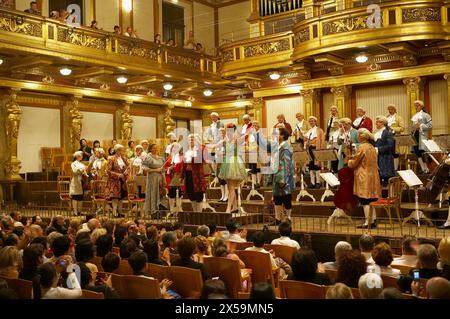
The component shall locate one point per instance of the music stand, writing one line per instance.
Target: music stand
(301, 158)
(253, 191)
(405, 140)
(325, 156)
(415, 183)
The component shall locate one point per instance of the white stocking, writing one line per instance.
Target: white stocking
(318, 177)
(312, 175)
(75, 206)
(115, 201)
(366, 209)
(287, 213)
(225, 196)
(222, 192)
(172, 204)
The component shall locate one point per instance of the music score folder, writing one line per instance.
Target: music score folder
(410, 178)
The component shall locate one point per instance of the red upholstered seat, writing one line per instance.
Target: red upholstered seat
(100, 198)
(384, 201)
(65, 197)
(138, 200)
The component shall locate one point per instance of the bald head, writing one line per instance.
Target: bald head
(93, 224)
(36, 231)
(438, 288)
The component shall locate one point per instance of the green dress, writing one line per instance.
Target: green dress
(232, 168)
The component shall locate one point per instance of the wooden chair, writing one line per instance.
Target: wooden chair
(389, 281)
(124, 268)
(157, 271)
(57, 162)
(63, 178)
(282, 251)
(243, 246)
(23, 288)
(243, 295)
(63, 191)
(261, 266)
(291, 289)
(404, 269)
(136, 287)
(332, 273)
(356, 294)
(87, 294)
(187, 282)
(98, 194)
(174, 257)
(228, 271)
(393, 201)
(133, 198)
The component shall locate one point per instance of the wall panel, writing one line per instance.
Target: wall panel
(97, 126)
(204, 26)
(143, 19)
(144, 127)
(233, 22)
(439, 106)
(107, 14)
(289, 106)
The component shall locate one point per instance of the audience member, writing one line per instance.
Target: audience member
(339, 291)
(285, 230)
(203, 230)
(9, 262)
(111, 262)
(130, 33)
(104, 245)
(117, 30)
(233, 232)
(444, 254)
(213, 286)
(88, 278)
(33, 9)
(84, 251)
(438, 288)
(391, 293)
(262, 290)
(339, 249)
(186, 248)
(151, 248)
(94, 25)
(45, 284)
(409, 252)
(304, 268)
(33, 257)
(370, 286)
(157, 38)
(127, 247)
(258, 242)
(382, 256)
(351, 266)
(366, 244)
(220, 249)
(203, 250)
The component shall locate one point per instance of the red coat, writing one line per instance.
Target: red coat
(286, 125)
(366, 123)
(114, 182)
(198, 173)
(176, 169)
(247, 131)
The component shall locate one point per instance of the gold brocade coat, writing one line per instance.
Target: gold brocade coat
(365, 166)
(398, 128)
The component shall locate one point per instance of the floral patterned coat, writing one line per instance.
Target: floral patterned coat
(113, 184)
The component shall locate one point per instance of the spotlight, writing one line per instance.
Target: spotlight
(362, 58)
(207, 92)
(65, 71)
(274, 75)
(121, 79)
(168, 86)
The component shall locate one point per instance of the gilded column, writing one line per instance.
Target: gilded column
(311, 102)
(169, 123)
(12, 124)
(126, 122)
(75, 122)
(257, 105)
(342, 99)
(447, 77)
(312, 8)
(413, 92)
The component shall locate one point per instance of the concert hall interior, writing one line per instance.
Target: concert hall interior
(204, 129)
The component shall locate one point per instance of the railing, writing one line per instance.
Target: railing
(273, 7)
(60, 37)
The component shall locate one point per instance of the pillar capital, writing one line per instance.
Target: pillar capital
(414, 88)
(342, 99)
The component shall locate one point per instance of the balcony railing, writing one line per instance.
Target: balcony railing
(21, 30)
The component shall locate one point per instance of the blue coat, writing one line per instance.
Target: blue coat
(284, 173)
(386, 150)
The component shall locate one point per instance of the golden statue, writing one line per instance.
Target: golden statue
(126, 122)
(13, 117)
(76, 123)
(168, 120)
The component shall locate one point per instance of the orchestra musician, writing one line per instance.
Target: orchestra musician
(173, 168)
(334, 116)
(362, 120)
(153, 166)
(348, 140)
(301, 127)
(334, 145)
(172, 139)
(219, 158)
(76, 182)
(314, 140)
(98, 167)
(137, 171)
(384, 145)
(421, 124)
(213, 136)
(397, 126)
(366, 183)
(281, 119)
(117, 176)
(247, 128)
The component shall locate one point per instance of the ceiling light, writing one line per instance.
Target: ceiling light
(207, 92)
(1, 61)
(121, 79)
(65, 71)
(274, 75)
(362, 58)
(167, 86)
(127, 5)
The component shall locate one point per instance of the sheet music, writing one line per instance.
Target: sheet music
(330, 179)
(431, 146)
(410, 178)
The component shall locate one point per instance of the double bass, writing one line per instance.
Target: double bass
(344, 197)
(437, 181)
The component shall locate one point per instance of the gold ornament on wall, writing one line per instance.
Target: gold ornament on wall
(75, 122)
(13, 117)
(126, 122)
(169, 123)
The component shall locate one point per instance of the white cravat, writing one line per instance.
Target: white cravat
(357, 121)
(97, 164)
(190, 154)
(417, 118)
(312, 133)
(120, 162)
(244, 129)
(378, 134)
(391, 119)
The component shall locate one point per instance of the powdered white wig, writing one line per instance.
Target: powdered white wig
(246, 117)
(383, 119)
(312, 118)
(361, 108)
(118, 147)
(365, 133)
(345, 120)
(78, 153)
(214, 114)
(392, 106)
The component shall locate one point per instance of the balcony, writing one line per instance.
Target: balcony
(21, 33)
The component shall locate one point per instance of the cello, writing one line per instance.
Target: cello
(437, 181)
(344, 197)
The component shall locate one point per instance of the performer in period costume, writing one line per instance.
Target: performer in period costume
(137, 170)
(366, 183)
(193, 173)
(333, 144)
(281, 119)
(111, 149)
(153, 166)
(213, 136)
(283, 180)
(300, 129)
(219, 159)
(384, 145)
(95, 146)
(173, 167)
(247, 128)
(421, 124)
(144, 144)
(397, 127)
(348, 140)
(314, 140)
(76, 182)
(232, 169)
(172, 139)
(117, 175)
(84, 147)
(362, 120)
(99, 166)
(334, 116)
(129, 153)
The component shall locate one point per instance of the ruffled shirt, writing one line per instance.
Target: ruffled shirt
(78, 167)
(190, 154)
(357, 121)
(97, 164)
(138, 163)
(378, 134)
(391, 119)
(312, 133)
(120, 162)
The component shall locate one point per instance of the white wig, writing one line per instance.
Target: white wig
(214, 114)
(78, 153)
(118, 147)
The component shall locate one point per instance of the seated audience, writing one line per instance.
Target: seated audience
(304, 268)
(54, 15)
(213, 286)
(262, 290)
(169, 240)
(382, 256)
(104, 245)
(391, 293)
(220, 249)
(199, 48)
(60, 247)
(438, 288)
(339, 249)
(97, 233)
(33, 9)
(203, 230)
(120, 233)
(33, 257)
(117, 30)
(130, 33)
(110, 262)
(444, 254)
(127, 247)
(45, 284)
(151, 248)
(203, 250)
(351, 266)
(84, 251)
(366, 244)
(258, 242)
(213, 232)
(89, 277)
(186, 248)
(339, 291)
(409, 252)
(233, 232)
(157, 38)
(370, 286)
(285, 230)
(9, 262)
(94, 25)
(171, 43)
